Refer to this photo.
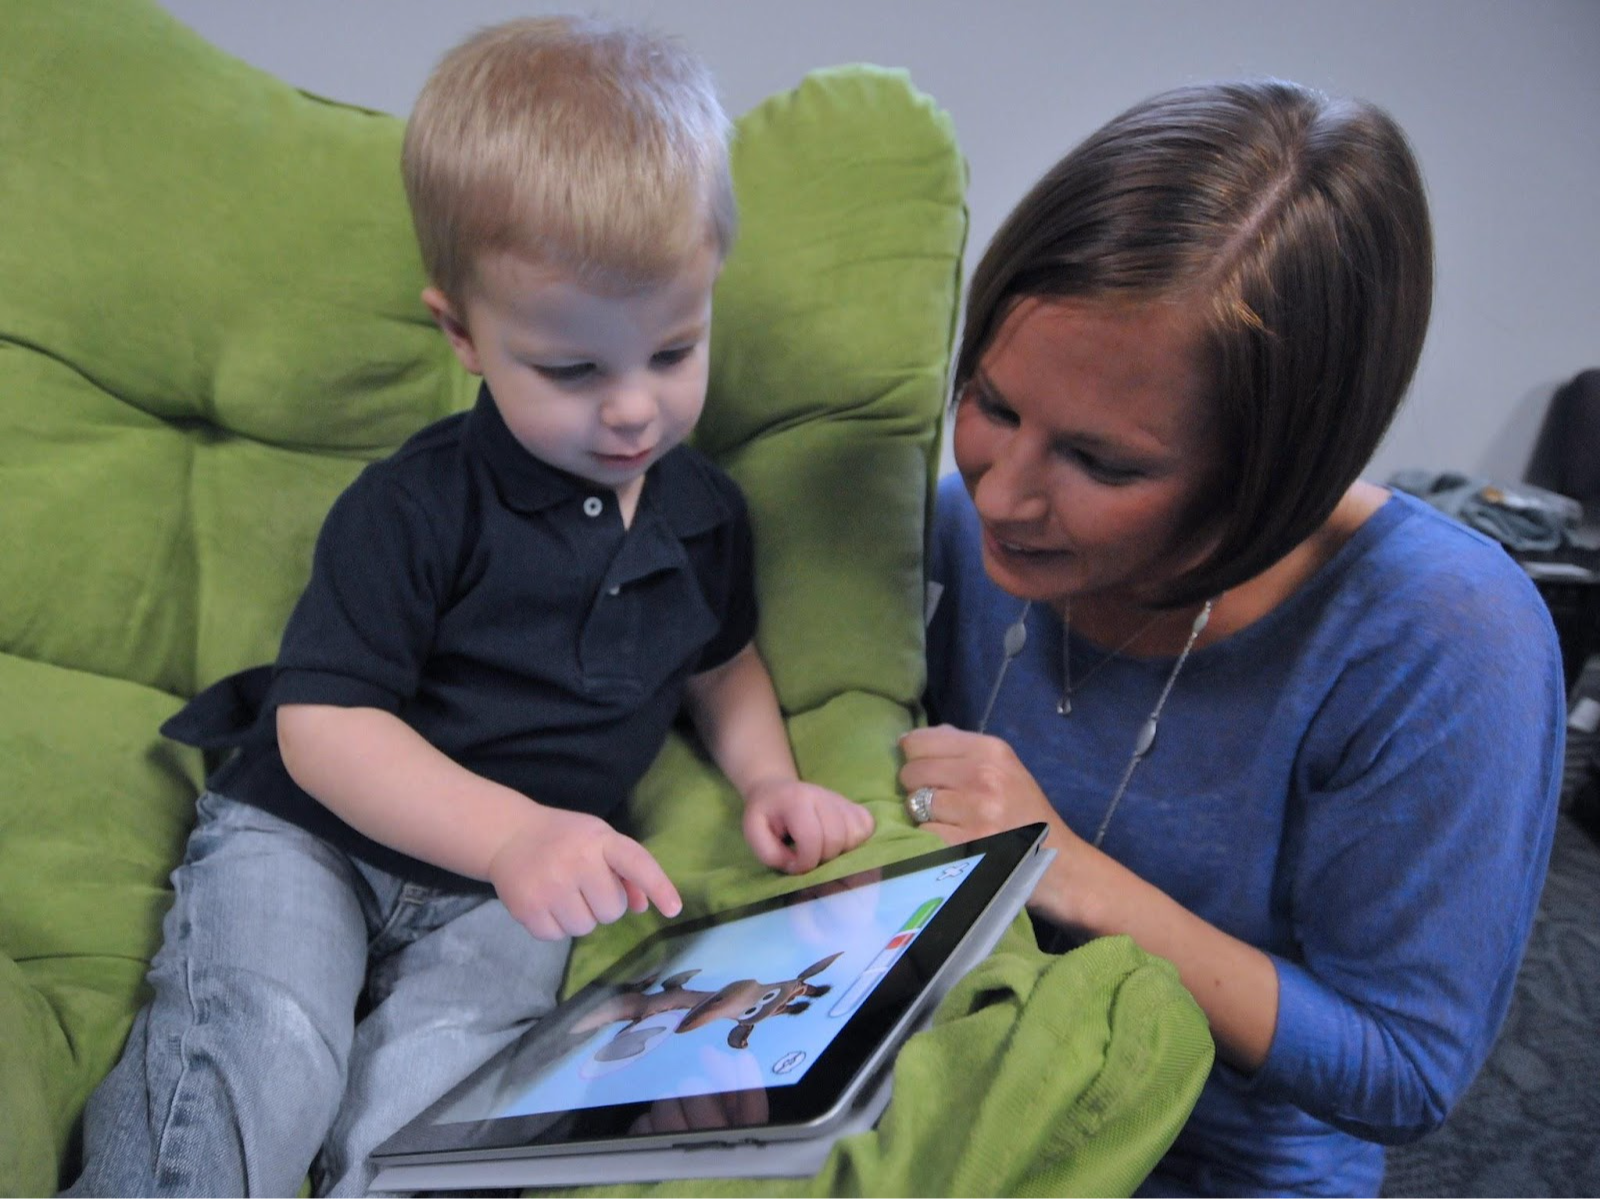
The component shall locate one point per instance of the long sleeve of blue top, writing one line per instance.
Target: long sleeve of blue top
(1362, 784)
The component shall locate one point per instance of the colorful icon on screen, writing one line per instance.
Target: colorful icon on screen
(891, 951)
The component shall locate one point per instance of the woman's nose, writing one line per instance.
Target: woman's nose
(1011, 489)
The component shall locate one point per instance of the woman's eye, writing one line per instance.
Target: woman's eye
(991, 408)
(573, 373)
(1106, 472)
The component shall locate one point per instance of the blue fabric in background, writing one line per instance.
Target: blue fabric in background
(1521, 516)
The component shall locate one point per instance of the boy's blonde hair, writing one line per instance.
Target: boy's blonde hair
(594, 148)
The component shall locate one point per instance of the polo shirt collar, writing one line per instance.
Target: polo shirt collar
(524, 482)
(529, 484)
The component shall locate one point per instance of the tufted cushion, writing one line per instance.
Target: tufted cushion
(209, 320)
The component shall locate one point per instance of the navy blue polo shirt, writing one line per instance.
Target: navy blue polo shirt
(500, 608)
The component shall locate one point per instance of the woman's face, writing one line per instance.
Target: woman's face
(1088, 443)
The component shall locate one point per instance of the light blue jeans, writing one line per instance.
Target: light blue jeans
(250, 1067)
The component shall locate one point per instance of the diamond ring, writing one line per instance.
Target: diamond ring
(920, 805)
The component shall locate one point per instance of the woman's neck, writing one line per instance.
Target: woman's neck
(1113, 619)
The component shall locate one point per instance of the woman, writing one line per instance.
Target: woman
(1180, 351)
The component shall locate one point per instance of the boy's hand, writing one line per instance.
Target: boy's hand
(562, 873)
(795, 827)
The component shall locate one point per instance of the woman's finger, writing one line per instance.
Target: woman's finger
(950, 834)
(938, 741)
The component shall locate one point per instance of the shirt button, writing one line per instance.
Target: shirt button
(614, 590)
(593, 506)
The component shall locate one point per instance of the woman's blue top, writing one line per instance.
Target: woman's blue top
(1363, 784)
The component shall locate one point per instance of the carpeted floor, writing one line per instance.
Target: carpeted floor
(1530, 1123)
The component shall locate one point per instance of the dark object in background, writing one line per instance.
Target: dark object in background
(1580, 780)
(1586, 801)
(1566, 457)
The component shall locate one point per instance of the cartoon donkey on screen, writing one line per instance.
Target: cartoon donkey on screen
(746, 1002)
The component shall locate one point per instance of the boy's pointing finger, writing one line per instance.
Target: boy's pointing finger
(641, 873)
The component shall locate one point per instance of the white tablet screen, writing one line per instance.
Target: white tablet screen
(733, 1007)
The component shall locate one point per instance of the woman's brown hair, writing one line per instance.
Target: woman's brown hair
(1298, 226)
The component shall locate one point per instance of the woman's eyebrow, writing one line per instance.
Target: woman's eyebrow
(985, 385)
(1081, 440)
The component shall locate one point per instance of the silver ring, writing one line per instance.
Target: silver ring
(920, 804)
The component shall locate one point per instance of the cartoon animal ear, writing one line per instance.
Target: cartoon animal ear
(677, 981)
(739, 1036)
(793, 1009)
(819, 967)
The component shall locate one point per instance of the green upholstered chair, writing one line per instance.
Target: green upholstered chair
(209, 321)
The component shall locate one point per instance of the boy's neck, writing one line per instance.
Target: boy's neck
(628, 500)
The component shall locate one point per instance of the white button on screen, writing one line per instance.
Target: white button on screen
(592, 506)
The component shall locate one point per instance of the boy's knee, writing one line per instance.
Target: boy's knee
(290, 1040)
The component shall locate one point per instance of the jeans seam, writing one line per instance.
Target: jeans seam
(399, 912)
(196, 1019)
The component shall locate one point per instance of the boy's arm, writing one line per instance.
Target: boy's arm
(789, 824)
(559, 872)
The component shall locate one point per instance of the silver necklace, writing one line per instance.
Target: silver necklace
(1068, 687)
(1016, 637)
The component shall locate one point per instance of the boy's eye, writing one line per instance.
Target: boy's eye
(571, 373)
(669, 358)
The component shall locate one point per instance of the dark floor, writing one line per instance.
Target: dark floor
(1530, 1123)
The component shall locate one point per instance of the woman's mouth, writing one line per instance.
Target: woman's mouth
(1015, 550)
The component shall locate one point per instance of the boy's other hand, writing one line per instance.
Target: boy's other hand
(562, 873)
(795, 826)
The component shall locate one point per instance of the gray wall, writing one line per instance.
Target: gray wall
(1500, 97)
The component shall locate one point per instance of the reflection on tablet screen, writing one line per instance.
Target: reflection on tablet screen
(736, 1007)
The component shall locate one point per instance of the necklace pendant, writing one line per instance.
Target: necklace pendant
(1147, 737)
(1064, 706)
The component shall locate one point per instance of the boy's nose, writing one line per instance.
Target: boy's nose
(630, 405)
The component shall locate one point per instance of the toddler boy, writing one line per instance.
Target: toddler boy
(502, 622)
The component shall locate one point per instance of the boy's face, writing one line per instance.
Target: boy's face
(598, 385)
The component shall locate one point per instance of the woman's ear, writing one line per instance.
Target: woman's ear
(454, 328)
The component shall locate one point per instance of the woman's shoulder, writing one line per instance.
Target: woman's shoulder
(957, 581)
(955, 524)
(1409, 548)
(1412, 579)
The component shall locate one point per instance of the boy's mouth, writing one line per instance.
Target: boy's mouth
(624, 461)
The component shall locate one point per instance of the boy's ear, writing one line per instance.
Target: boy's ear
(453, 327)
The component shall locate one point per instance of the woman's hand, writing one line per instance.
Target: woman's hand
(979, 786)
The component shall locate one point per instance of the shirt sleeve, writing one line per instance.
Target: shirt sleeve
(1429, 784)
(362, 629)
